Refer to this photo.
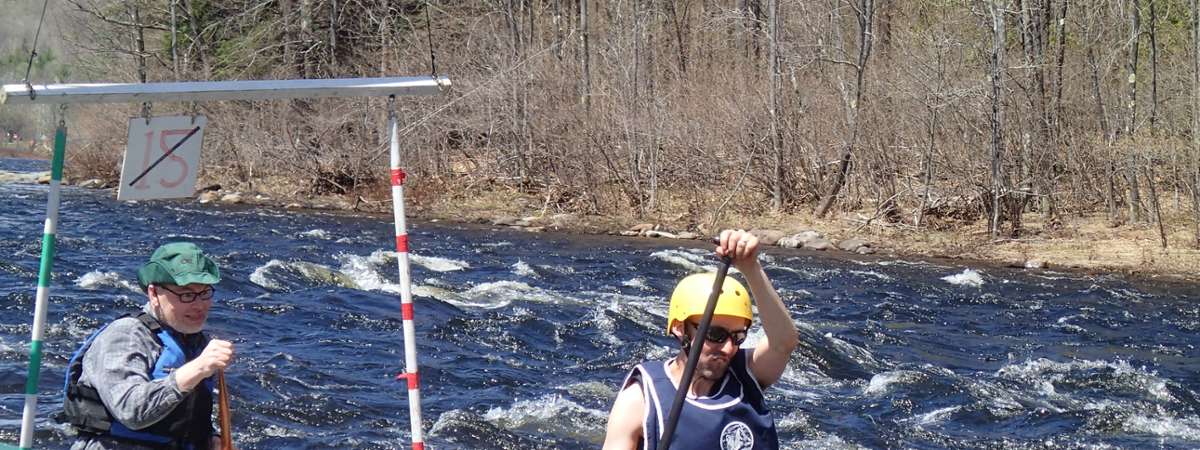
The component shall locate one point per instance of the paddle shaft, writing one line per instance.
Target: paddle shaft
(697, 346)
(223, 413)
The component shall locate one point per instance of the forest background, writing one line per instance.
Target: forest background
(1011, 130)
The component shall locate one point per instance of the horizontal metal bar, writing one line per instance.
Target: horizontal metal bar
(17, 94)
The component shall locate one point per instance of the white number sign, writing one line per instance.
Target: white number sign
(161, 157)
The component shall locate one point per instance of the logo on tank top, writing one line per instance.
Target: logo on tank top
(736, 436)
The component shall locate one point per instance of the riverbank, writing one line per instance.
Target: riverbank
(1085, 243)
(1081, 243)
(21, 153)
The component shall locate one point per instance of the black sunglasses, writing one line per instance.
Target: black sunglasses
(188, 297)
(718, 335)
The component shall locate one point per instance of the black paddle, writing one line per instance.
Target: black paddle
(685, 384)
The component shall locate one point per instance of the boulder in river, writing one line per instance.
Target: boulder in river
(209, 197)
(768, 237)
(818, 244)
(799, 239)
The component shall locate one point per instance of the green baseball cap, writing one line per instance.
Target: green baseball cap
(178, 263)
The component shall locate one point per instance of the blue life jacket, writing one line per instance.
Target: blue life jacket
(735, 417)
(188, 426)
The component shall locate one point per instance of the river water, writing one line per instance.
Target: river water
(524, 337)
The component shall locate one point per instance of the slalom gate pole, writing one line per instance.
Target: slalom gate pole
(685, 384)
(43, 288)
(406, 304)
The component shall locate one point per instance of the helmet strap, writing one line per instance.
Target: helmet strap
(685, 340)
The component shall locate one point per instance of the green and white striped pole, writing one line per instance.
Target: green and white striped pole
(43, 289)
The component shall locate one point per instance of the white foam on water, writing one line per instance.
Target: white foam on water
(522, 268)
(435, 263)
(281, 432)
(881, 382)
(550, 413)
(562, 269)
(368, 279)
(592, 389)
(1063, 323)
(492, 295)
(800, 383)
(937, 415)
(547, 407)
(1187, 428)
(636, 282)
(317, 234)
(872, 273)
(205, 237)
(312, 272)
(968, 277)
(516, 290)
(1046, 372)
(606, 325)
(690, 261)
(828, 442)
(97, 279)
(259, 275)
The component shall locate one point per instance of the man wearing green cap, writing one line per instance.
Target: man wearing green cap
(144, 381)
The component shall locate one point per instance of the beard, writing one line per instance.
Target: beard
(711, 367)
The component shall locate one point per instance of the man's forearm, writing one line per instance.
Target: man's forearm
(782, 335)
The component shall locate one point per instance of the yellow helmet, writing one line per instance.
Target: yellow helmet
(691, 296)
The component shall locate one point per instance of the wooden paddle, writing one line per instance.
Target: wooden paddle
(223, 413)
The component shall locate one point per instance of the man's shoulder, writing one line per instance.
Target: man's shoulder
(124, 327)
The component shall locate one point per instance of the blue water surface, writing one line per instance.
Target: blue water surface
(523, 337)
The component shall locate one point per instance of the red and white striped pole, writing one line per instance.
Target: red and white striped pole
(406, 305)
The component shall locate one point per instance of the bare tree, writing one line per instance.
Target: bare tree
(139, 41)
(1196, 118)
(1135, 33)
(864, 12)
(585, 56)
(773, 107)
(996, 10)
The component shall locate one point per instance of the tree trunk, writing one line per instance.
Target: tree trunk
(865, 13)
(174, 43)
(1162, 230)
(1196, 200)
(1196, 116)
(333, 26)
(1153, 69)
(681, 25)
(997, 116)
(773, 100)
(585, 57)
(558, 29)
(932, 134)
(307, 65)
(1135, 27)
(1061, 60)
(197, 40)
(1036, 160)
(139, 42)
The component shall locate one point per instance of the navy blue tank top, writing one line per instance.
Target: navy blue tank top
(734, 418)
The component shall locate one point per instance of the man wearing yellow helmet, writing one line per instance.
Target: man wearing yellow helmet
(725, 408)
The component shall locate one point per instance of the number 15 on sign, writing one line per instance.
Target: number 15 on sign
(162, 157)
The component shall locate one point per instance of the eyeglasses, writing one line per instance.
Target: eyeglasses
(718, 335)
(188, 297)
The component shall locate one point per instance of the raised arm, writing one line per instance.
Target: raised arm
(771, 356)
